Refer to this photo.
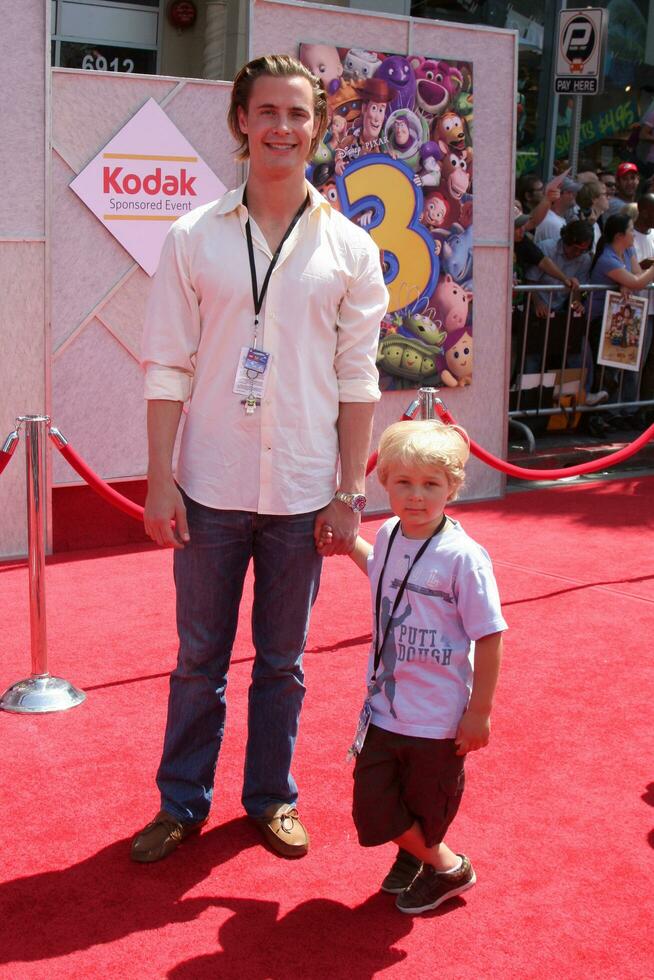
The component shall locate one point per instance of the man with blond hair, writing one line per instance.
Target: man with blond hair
(265, 313)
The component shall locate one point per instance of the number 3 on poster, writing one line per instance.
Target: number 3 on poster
(412, 264)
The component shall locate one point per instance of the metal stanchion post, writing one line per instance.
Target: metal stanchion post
(41, 692)
(427, 398)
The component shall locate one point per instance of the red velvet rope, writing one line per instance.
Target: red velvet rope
(4, 459)
(526, 474)
(136, 511)
(98, 484)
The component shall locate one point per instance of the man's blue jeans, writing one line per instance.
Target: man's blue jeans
(209, 575)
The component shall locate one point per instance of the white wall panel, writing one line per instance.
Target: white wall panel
(97, 402)
(22, 262)
(282, 26)
(22, 111)
(88, 108)
(124, 312)
(86, 260)
(22, 374)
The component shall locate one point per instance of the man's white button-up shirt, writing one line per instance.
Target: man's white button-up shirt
(319, 323)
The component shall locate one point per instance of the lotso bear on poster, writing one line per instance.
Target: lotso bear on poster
(397, 159)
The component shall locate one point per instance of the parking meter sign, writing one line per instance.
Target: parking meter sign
(580, 53)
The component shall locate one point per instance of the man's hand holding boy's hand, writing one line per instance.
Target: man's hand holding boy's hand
(473, 732)
(325, 540)
(343, 523)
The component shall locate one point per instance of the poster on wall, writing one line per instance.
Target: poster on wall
(397, 160)
(623, 331)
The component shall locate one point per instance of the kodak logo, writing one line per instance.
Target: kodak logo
(115, 182)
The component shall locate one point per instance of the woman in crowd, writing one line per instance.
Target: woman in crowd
(615, 265)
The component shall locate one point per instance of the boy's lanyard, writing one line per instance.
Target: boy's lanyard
(257, 297)
(380, 649)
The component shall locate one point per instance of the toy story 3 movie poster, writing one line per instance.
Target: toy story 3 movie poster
(397, 159)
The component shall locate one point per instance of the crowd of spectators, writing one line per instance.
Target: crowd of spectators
(593, 230)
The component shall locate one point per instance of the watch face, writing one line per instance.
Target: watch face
(358, 501)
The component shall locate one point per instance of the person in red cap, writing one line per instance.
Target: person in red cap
(627, 178)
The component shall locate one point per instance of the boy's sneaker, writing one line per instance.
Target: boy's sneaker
(429, 888)
(404, 869)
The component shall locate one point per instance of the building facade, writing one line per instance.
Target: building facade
(209, 39)
(543, 119)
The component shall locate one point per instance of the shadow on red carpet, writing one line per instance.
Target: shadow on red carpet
(107, 896)
(557, 816)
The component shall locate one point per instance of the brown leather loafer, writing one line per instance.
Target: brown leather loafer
(161, 836)
(283, 830)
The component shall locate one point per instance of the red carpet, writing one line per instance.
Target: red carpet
(557, 817)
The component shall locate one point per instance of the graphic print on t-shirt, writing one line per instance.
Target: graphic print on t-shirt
(410, 644)
(386, 680)
(424, 680)
(427, 589)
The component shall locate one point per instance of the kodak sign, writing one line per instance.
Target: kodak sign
(145, 178)
(170, 185)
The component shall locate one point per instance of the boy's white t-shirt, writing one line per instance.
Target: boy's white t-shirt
(424, 680)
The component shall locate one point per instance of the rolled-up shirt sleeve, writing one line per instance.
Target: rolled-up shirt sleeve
(359, 319)
(171, 333)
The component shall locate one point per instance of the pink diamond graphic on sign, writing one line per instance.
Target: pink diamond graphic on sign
(145, 178)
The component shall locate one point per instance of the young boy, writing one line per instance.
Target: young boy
(433, 594)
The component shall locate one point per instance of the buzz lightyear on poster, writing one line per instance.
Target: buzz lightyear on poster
(397, 160)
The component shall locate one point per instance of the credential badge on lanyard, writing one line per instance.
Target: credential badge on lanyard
(365, 714)
(253, 363)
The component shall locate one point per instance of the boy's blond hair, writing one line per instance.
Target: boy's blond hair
(276, 66)
(427, 443)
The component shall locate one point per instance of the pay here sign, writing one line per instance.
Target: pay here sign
(579, 68)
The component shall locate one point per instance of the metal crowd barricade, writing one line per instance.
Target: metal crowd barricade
(541, 372)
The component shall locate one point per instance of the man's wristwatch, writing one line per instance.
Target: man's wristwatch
(357, 501)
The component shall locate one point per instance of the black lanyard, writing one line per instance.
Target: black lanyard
(256, 296)
(380, 649)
